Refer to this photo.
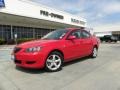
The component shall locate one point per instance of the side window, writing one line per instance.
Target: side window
(76, 33)
(85, 34)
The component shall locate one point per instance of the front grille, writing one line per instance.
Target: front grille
(16, 49)
(30, 62)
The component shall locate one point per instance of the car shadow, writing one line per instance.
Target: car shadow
(31, 71)
(41, 71)
(76, 61)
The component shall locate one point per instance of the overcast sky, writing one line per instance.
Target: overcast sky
(100, 14)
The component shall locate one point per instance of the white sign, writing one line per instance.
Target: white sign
(15, 35)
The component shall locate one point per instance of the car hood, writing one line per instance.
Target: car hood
(36, 43)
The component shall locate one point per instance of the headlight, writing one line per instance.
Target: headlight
(33, 49)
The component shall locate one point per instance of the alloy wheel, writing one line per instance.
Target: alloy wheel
(53, 62)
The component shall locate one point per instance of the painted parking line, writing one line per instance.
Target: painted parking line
(6, 49)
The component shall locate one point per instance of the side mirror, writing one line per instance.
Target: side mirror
(71, 37)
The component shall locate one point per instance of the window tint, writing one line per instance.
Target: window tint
(76, 33)
(85, 34)
(55, 35)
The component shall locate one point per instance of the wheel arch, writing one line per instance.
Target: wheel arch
(56, 50)
(95, 46)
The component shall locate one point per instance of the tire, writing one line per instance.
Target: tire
(115, 41)
(54, 62)
(94, 52)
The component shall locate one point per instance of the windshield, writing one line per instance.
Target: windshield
(55, 35)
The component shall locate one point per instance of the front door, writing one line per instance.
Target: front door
(73, 47)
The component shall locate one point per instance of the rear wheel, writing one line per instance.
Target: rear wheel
(54, 62)
(94, 52)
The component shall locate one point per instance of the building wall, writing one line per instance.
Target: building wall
(117, 34)
(33, 10)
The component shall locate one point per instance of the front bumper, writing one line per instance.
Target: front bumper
(29, 60)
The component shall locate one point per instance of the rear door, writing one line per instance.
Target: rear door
(86, 42)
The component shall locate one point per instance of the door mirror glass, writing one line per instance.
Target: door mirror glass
(71, 37)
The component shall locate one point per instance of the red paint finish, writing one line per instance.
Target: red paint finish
(71, 48)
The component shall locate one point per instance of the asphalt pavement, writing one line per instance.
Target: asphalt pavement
(101, 73)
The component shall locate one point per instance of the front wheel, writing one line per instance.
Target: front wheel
(54, 62)
(94, 52)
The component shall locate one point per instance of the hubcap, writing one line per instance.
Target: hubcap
(53, 62)
(94, 52)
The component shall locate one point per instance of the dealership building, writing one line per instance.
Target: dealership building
(26, 19)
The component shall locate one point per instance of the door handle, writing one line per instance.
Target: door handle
(81, 42)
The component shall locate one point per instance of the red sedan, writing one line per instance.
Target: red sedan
(57, 47)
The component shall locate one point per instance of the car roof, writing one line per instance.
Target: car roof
(74, 29)
(82, 29)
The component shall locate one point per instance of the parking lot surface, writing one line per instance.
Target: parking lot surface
(101, 73)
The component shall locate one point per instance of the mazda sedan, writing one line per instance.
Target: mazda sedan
(55, 48)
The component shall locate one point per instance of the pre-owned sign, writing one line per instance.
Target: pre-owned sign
(52, 15)
(2, 3)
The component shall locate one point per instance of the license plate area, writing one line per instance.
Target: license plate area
(12, 57)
